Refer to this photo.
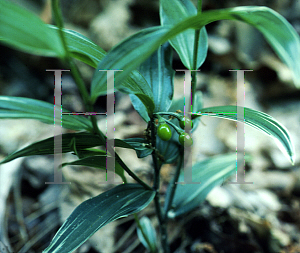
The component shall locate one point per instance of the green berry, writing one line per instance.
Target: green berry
(164, 132)
(185, 139)
(184, 121)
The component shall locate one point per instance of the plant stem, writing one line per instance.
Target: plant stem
(74, 71)
(83, 91)
(176, 128)
(199, 7)
(159, 211)
(173, 185)
(154, 156)
(194, 73)
(196, 43)
(174, 114)
(130, 173)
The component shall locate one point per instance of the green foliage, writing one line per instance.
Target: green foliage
(171, 13)
(26, 32)
(96, 212)
(81, 47)
(210, 173)
(147, 234)
(27, 108)
(158, 72)
(146, 74)
(258, 120)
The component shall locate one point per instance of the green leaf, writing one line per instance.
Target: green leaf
(278, 32)
(168, 150)
(158, 72)
(28, 108)
(145, 225)
(119, 58)
(139, 107)
(25, 31)
(133, 51)
(83, 141)
(171, 13)
(79, 143)
(96, 212)
(134, 84)
(140, 145)
(258, 120)
(86, 51)
(81, 47)
(90, 152)
(210, 173)
(98, 161)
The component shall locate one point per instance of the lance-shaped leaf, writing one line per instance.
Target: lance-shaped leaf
(171, 13)
(140, 145)
(46, 147)
(258, 120)
(147, 234)
(86, 51)
(134, 84)
(23, 30)
(28, 108)
(210, 172)
(83, 153)
(98, 161)
(133, 51)
(79, 143)
(158, 72)
(81, 47)
(120, 57)
(96, 212)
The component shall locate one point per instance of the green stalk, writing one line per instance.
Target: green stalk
(196, 42)
(132, 174)
(173, 185)
(199, 7)
(174, 114)
(83, 91)
(74, 71)
(176, 128)
(159, 211)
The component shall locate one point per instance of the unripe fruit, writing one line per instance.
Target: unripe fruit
(184, 121)
(164, 132)
(185, 139)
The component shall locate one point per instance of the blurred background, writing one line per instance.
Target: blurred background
(262, 217)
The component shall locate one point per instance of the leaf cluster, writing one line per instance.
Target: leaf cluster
(142, 67)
